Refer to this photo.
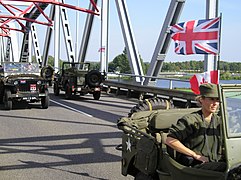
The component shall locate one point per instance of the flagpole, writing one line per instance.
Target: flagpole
(219, 43)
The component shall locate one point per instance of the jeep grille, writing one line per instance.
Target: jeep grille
(80, 81)
(29, 85)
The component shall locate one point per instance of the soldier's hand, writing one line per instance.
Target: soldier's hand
(200, 158)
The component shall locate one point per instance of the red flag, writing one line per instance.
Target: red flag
(102, 49)
(206, 77)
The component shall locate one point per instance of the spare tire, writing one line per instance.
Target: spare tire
(47, 72)
(151, 104)
(93, 78)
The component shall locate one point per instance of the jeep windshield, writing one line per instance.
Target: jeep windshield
(232, 100)
(11, 68)
(79, 66)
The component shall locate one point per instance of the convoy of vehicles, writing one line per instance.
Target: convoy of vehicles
(22, 82)
(145, 155)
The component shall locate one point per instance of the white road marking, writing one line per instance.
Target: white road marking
(68, 107)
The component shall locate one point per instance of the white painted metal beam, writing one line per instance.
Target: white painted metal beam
(56, 38)
(86, 34)
(159, 55)
(67, 34)
(132, 51)
(210, 61)
(104, 36)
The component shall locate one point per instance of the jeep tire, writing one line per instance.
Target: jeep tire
(56, 89)
(8, 104)
(68, 91)
(93, 78)
(1, 98)
(96, 95)
(142, 176)
(45, 101)
(151, 104)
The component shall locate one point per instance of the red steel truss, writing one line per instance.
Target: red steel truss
(17, 14)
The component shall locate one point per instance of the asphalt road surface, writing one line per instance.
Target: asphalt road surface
(72, 139)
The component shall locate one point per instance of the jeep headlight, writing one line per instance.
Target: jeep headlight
(39, 82)
(15, 83)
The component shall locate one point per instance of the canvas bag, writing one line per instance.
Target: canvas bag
(146, 159)
(139, 120)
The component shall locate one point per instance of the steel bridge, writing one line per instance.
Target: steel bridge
(22, 17)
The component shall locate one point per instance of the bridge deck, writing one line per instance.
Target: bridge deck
(72, 139)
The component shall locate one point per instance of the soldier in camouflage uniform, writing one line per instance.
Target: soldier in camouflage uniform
(197, 137)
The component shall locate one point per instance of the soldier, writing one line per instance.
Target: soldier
(196, 137)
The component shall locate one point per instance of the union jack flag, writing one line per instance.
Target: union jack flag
(197, 36)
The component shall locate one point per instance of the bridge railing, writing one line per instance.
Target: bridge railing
(125, 84)
(131, 78)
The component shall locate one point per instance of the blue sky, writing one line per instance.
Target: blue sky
(147, 18)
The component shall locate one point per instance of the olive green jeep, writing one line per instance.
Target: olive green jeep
(22, 82)
(145, 155)
(76, 78)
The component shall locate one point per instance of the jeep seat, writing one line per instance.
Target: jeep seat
(183, 172)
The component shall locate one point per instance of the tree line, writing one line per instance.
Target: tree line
(228, 70)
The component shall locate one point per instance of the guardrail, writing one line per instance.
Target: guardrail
(131, 86)
(140, 79)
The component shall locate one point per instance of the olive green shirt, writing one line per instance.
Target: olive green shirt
(198, 135)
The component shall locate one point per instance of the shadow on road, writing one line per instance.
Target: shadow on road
(98, 113)
(50, 146)
(45, 148)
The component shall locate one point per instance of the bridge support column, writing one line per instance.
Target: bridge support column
(210, 61)
(131, 48)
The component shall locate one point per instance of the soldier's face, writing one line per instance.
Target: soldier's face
(210, 104)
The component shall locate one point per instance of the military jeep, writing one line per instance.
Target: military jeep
(22, 82)
(78, 78)
(145, 155)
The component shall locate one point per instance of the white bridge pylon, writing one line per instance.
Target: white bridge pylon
(58, 17)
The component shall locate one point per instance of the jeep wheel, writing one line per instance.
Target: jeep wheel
(56, 89)
(8, 104)
(50, 83)
(45, 101)
(1, 98)
(93, 78)
(68, 92)
(142, 176)
(96, 95)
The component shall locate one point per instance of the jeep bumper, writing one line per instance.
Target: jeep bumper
(28, 96)
(86, 89)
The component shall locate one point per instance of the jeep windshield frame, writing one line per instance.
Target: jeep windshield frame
(230, 108)
(79, 66)
(13, 68)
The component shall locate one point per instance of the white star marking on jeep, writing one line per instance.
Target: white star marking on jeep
(128, 145)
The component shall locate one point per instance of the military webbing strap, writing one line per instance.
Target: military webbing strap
(149, 104)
